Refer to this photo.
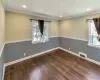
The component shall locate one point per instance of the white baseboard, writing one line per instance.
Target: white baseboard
(3, 72)
(69, 51)
(37, 54)
(44, 52)
(88, 59)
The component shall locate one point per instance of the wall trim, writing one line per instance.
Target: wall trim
(34, 14)
(17, 41)
(44, 52)
(32, 56)
(2, 49)
(93, 46)
(3, 72)
(74, 38)
(49, 37)
(25, 40)
(73, 53)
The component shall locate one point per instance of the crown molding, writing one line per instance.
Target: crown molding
(93, 12)
(34, 14)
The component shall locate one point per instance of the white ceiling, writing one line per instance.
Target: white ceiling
(54, 8)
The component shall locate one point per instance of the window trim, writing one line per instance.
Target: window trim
(94, 46)
(35, 42)
(89, 33)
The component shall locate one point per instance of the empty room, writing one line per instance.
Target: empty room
(49, 39)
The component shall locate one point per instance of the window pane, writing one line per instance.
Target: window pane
(36, 35)
(93, 40)
(35, 31)
(46, 31)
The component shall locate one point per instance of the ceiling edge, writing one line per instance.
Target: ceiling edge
(82, 15)
(35, 14)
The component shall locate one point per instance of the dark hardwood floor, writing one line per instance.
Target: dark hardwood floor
(56, 65)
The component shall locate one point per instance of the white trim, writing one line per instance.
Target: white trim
(3, 72)
(17, 41)
(39, 42)
(2, 50)
(74, 38)
(81, 15)
(39, 15)
(34, 55)
(49, 37)
(94, 46)
(53, 36)
(88, 59)
(69, 51)
(44, 52)
(44, 41)
(25, 40)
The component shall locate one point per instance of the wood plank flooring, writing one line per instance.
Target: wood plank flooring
(56, 65)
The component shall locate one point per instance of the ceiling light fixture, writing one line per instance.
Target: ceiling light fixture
(24, 6)
(88, 9)
(61, 16)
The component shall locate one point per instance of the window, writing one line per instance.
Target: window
(36, 34)
(93, 35)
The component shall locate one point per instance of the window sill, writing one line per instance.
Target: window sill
(94, 46)
(39, 42)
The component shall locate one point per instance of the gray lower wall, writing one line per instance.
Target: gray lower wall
(1, 65)
(15, 51)
(80, 46)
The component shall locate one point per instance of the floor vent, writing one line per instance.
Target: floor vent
(83, 55)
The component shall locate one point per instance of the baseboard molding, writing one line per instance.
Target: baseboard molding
(3, 72)
(88, 59)
(44, 52)
(25, 58)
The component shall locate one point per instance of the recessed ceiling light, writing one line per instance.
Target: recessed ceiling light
(88, 9)
(24, 6)
(61, 16)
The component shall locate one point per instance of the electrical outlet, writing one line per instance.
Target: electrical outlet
(24, 54)
(69, 48)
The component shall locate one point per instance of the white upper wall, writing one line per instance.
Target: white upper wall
(19, 27)
(76, 27)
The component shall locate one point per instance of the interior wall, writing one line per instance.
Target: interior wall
(2, 38)
(2, 26)
(18, 27)
(76, 27)
(74, 36)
